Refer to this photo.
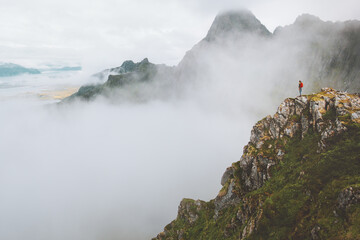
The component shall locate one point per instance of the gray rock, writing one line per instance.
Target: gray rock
(304, 125)
(230, 198)
(355, 115)
(189, 210)
(180, 233)
(291, 129)
(348, 197)
(315, 107)
(259, 131)
(300, 104)
(327, 90)
(256, 170)
(229, 172)
(315, 233)
(274, 129)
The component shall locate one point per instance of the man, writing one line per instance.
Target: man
(301, 85)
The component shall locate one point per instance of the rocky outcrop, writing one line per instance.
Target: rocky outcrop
(294, 116)
(249, 215)
(227, 175)
(324, 116)
(226, 197)
(189, 212)
(348, 197)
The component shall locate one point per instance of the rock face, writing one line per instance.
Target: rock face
(310, 123)
(349, 197)
(187, 210)
(269, 136)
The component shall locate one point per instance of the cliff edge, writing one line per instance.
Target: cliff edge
(298, 178)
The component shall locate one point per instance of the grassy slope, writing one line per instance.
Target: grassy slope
(302, 194)
(304, 189)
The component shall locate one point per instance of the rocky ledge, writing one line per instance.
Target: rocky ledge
(289, 145)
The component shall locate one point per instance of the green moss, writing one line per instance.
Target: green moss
(316, 97)
(345, 118)
(301, 194)
(87, 92)
(305, 188)
(224, 189)
(295, 118)
(133, 75)
(330, 114)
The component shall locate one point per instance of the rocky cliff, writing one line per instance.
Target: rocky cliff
(298, 178)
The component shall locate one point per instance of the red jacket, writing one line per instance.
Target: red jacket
(301, 85)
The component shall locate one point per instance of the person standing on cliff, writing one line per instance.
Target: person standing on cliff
(301, 85)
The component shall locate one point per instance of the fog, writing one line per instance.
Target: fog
(110, 169)
(105, 170)
(102, 171)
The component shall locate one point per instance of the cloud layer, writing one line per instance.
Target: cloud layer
(90, 32)
(105, 171)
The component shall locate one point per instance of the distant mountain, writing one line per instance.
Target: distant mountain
(59, 68)
(235, 24)
(126, 67)
(321, 53)
(129, 74)
(329, 51)
(10, 69)
(239, 49)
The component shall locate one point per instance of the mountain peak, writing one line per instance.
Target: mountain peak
(307, 19)
(235, 22)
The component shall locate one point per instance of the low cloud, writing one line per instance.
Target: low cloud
(100, 171)
(104, 170)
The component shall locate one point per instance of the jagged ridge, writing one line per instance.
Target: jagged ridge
(329, 54)
(297, 178)
(129, 73)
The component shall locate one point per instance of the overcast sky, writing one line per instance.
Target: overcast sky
(104, 33)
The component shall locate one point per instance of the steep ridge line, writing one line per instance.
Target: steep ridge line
(324, 53)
